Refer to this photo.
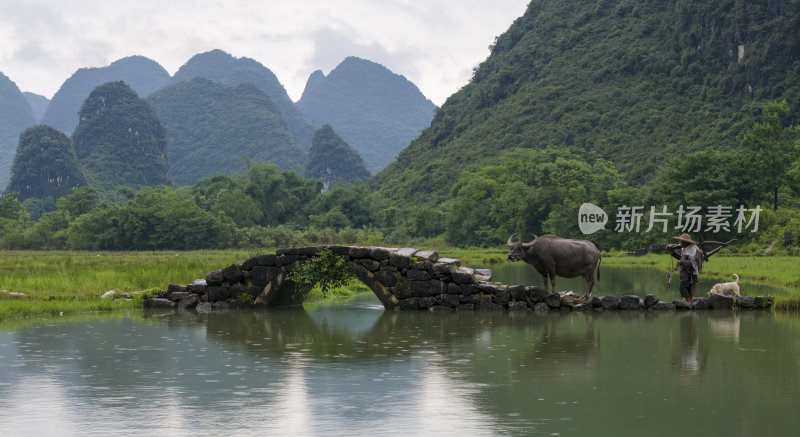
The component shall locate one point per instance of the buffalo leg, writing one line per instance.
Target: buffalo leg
(589, 278)
(544, 281)
(553, 282)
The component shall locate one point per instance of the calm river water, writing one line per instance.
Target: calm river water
(352, 369)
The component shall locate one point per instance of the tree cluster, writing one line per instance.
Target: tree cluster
(262, 208)
(524, 191)
(45, 168)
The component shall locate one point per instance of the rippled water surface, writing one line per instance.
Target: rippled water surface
(353, 369)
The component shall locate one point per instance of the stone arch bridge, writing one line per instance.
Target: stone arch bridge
(404, 278)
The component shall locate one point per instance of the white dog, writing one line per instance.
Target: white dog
(729, 288)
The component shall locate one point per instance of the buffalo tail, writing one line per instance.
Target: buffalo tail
(599, 260)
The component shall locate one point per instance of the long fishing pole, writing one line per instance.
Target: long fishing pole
(671, 269)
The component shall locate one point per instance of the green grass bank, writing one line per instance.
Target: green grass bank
(41, 283)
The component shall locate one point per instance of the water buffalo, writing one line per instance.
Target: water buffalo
(553, 256)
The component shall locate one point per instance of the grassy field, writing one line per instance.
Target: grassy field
(476, 256)
(84, 273)
(53, 283)
(783, 271)
(780, 271)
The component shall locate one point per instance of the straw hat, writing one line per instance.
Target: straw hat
(686, 238)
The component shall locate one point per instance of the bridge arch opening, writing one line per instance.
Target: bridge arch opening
(405, 278)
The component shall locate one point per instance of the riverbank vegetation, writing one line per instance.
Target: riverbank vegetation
(781, 271)
(778, 271)
(523, 191)
(58, 283)
(52, 283)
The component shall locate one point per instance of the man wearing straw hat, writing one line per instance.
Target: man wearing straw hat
(690, 261)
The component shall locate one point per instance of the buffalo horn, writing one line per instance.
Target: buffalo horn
(531, 243)
(511, 238)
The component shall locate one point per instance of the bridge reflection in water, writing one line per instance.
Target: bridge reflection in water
(353, 369)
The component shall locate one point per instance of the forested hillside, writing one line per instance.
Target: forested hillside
(218, 129)
(219, 66)
(120, 141)
(332, 160)
(375, 111)
(142, 74)
(45, 168)
(635, 82)
(15, 116)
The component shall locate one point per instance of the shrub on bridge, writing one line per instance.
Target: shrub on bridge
(326, 269)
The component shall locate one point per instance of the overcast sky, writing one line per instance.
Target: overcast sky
(433, 43)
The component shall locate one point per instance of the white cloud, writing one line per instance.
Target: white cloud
(435, 43)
